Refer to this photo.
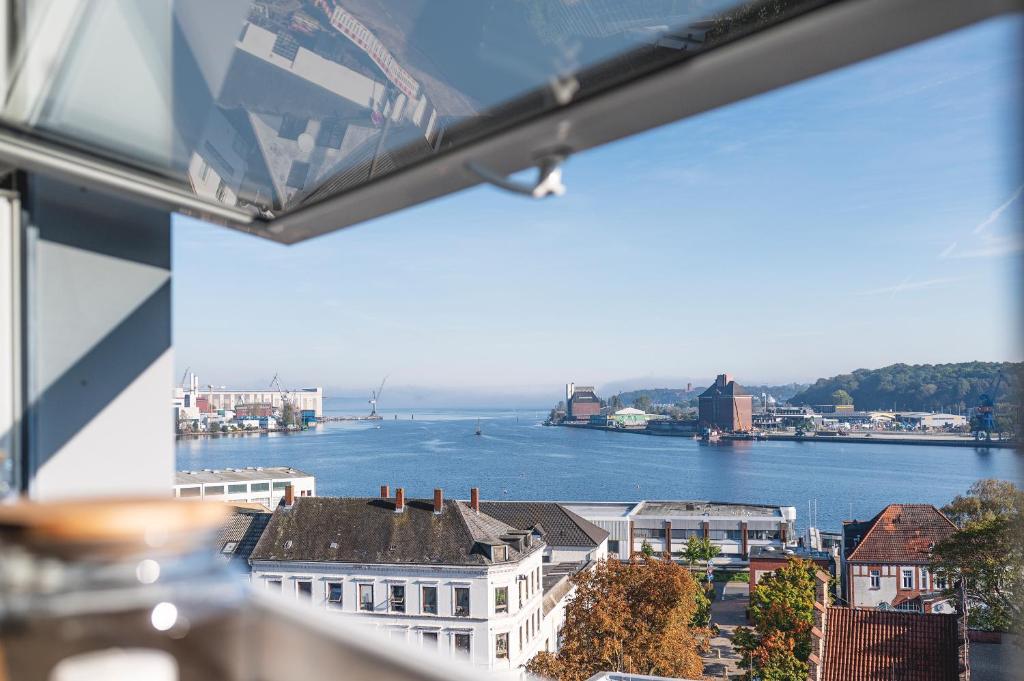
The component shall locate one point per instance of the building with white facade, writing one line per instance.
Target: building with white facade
(192, 401)
(568, 538)
(256, 484)
(886, 559)
(439, 574)
(667, 525)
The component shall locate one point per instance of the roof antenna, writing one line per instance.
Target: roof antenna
(549, 176)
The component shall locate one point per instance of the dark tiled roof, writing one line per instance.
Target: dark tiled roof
(853, 532)
(902, 533)
(354, 530)
(731, 389)
(560, 526)
(239, 536)
(873, 645)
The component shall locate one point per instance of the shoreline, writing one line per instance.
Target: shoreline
(938, 441)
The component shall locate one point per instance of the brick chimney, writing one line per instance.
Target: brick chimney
(474, 499)
(385, 491)
(814, 662)
(438, 500)
(289, 494)
(963, 643)
(399, 500)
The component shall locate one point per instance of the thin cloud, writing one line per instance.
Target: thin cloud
(994, 215)
(908, 285)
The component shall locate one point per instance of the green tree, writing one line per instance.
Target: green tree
(782, 610)
(646, 549)
(288, 413)
(841, 397)
(986, 553)
(643, 403)
(699, 549)
(628, 616)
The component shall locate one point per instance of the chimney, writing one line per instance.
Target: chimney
(963, 648)
(814, 661)
(289, 494)
(385, 491)
(474, 499)
(438, 500)
(399, 500)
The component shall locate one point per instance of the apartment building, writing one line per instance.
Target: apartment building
(886, 559)
(440, 574)
(254, 485)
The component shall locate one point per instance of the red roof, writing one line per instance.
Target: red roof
(876, 645)
(903, 533)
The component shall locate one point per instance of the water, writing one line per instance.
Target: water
(517, 458)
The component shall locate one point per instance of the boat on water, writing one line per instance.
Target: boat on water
(710, 435)
(478, 431)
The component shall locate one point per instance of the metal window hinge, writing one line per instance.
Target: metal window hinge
(549, 177)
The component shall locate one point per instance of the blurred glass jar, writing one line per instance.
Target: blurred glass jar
(117, 590)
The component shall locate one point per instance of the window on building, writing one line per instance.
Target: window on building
(274, 584)
(908, 606)
(876, 579)
(305, 589)
(213, 490)
(280, 486)
(521, 646)
(908, 578)
(334, 593)
(683, 533)
(190, 491)
(260, 487)
(366, 597)
(429, 639)
(613, 547)
(501, 599)
(462, 601)
(501, 646)
(462, 644)
(396, 598)
(649, 532)
(940, 582)
(238, 489)
(924, 579)
(522, 592)
(229, 548)
(499, 553)
(428, 600)
(545, 558)
(529, 629)
(762, 535)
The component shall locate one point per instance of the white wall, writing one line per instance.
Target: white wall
(483, 623)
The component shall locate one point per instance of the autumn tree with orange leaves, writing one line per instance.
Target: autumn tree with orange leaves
(632, 617)
(782, 608)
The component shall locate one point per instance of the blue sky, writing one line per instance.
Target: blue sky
(866, 217)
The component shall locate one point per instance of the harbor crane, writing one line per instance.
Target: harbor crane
(374, 396)
(287, 412)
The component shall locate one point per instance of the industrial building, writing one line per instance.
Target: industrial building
(667, 525)
(256, 484)
(581, 402)
(726, 406)
(192, 400)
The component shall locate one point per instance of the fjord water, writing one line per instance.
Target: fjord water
(516, 457)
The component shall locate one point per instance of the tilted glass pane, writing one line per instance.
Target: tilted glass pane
(272, 105)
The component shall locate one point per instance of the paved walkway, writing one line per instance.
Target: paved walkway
(728, 612)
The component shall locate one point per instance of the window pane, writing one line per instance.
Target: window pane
(461, 601)
(429, 595)
(238, 489)
(366, 597)
(334, 592)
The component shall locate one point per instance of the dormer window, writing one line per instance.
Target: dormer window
(499, 553)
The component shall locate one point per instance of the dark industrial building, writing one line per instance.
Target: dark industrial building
(581, 402)
(725, 406)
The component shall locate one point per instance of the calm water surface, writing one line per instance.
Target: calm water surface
(517, 458)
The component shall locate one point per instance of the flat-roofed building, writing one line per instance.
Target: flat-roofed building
(581, 402)
(258, 484)
(667, 525)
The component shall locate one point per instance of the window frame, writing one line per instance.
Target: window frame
(875, 577)
(365, 587)
(397, 606)
(331, 602)
(455, 601)
(423, 599)
(905, 575)
(500, 608)
(501, 652)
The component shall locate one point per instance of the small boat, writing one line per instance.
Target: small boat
(478, 431)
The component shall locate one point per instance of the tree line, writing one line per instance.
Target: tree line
(919, 387)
